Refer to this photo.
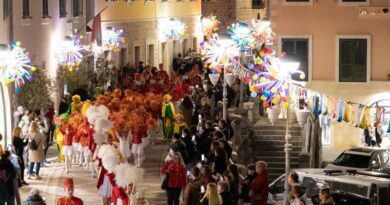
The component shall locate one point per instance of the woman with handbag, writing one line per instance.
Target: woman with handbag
(36, 153)
(175, 178)
(258, 190)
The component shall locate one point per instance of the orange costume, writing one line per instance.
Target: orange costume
(68, 184)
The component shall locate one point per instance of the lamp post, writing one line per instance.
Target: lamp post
(289, 68)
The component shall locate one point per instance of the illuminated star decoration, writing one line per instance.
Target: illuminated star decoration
(14, 65)
(262, 32)
(272, 79)
(113, 39)
(241, 34)
(219, 52)
(172, 29)
(70, 53)
(209, 26)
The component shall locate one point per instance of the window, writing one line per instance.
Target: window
(354, 2)
(195, 44)
(26, 9)
(151, 54)
(63, 8)
(258, 4)
(5, 9)
(45, 9)
(123, 57)
(76, 8)
(297, 50)
(297, 2)
(184, 47)
(353, 58)
(137, 55)
(353, 160)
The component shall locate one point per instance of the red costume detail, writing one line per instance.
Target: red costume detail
(138, 134)
(72, 201)
(68, 138)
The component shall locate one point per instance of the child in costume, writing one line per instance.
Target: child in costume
(168, 116)
(77, 154)
(76, 105)
(179, 124)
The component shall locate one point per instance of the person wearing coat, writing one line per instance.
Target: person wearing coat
(35, 157)
(192, 192)
(34, 198)
(258, 190)
(176, 170)
(19, 145)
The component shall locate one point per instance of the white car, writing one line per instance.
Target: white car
(364, 159)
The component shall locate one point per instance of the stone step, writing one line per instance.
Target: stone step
(260, 148)
(275, 158)
(260, 142)
(274, 153)
(276, 137)
(257, 128)
(276, 132)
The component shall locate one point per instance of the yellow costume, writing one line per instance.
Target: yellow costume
(168, 115)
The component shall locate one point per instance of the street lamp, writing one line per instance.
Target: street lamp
(220, 52)
(287, 68)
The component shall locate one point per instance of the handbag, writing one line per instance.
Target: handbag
(164, 184)
(32, 145)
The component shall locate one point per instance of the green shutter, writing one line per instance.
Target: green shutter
(5, 9)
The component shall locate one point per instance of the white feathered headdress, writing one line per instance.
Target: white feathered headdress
(126, 174)
(106, 150)
(110, 162)
(103, 125)
(96, 112)
(99, 137)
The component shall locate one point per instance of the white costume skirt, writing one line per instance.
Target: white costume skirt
(137, 148)
(105, 190)
(76, 146)
(67, 150)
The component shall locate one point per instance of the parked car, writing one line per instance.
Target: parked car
(369, 159)
(356, 189)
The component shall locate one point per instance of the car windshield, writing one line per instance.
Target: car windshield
(352, 160)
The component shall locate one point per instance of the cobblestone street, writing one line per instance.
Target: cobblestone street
(85, 186)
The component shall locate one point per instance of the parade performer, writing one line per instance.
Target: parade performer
(119, 195)
(86, 141)
(77, 154)
(163, 79)
(106, 153)
(179, 124)
(69, 199)
(76, 104)
(67, 148)
(59, 133)
(168, 116)
(137, 147)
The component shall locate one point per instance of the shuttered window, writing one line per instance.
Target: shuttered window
(45, 8)
(353, 60)
(26, 9)
(62, 8)
(5, 9)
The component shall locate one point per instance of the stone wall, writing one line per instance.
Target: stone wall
(224, 10)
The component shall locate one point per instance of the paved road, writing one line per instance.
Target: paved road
(85, 185)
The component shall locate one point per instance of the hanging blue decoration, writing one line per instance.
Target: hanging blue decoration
(250, 66)
(388, 128)
(254, 94)
(340, 111)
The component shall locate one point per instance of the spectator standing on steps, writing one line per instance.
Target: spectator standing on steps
(259, 186)
(192, 192)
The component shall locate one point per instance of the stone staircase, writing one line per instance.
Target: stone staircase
(268, 145)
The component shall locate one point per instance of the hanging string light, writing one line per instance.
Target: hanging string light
(70, 52)
(113, 38)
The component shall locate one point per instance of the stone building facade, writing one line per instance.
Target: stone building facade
(141, 22)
